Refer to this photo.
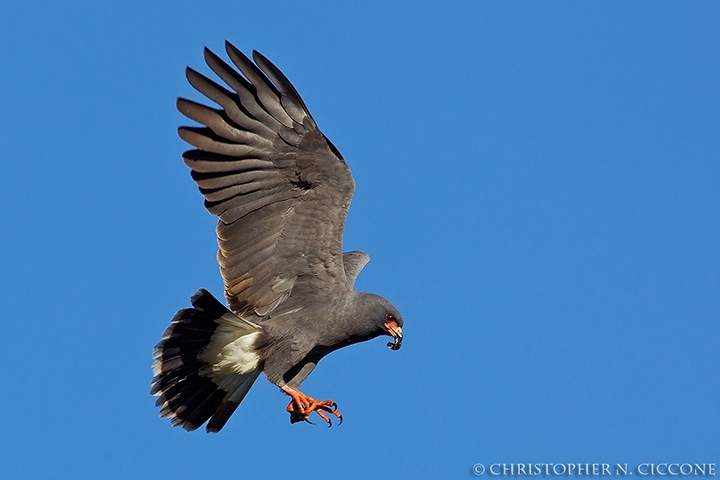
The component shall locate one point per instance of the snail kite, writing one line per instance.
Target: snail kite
(281, 191)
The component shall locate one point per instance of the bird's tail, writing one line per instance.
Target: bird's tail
(205, 364)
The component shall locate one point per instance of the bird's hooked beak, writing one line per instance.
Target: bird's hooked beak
(396, 331)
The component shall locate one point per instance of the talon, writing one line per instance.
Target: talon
(331, 411)
(324, 417)
(301, 406)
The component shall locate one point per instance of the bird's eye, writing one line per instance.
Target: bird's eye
(390, 317)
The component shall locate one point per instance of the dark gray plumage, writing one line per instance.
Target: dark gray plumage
(281, 191)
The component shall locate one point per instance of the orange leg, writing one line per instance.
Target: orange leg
(301, 406)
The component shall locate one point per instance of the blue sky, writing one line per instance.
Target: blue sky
(537, 185)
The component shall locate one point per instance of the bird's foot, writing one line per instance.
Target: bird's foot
(301, 406)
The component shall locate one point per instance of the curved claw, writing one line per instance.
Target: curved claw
(319, 411)
(330, 408)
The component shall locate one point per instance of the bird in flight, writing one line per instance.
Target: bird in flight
(281, 192)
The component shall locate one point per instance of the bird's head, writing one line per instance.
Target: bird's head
(380, 317)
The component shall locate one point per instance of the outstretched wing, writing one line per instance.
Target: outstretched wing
(280, 188)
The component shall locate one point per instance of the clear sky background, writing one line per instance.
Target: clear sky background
(537, 185)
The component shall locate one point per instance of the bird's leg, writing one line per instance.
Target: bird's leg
(301, 406)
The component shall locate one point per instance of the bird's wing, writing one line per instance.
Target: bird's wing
(280, 188)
